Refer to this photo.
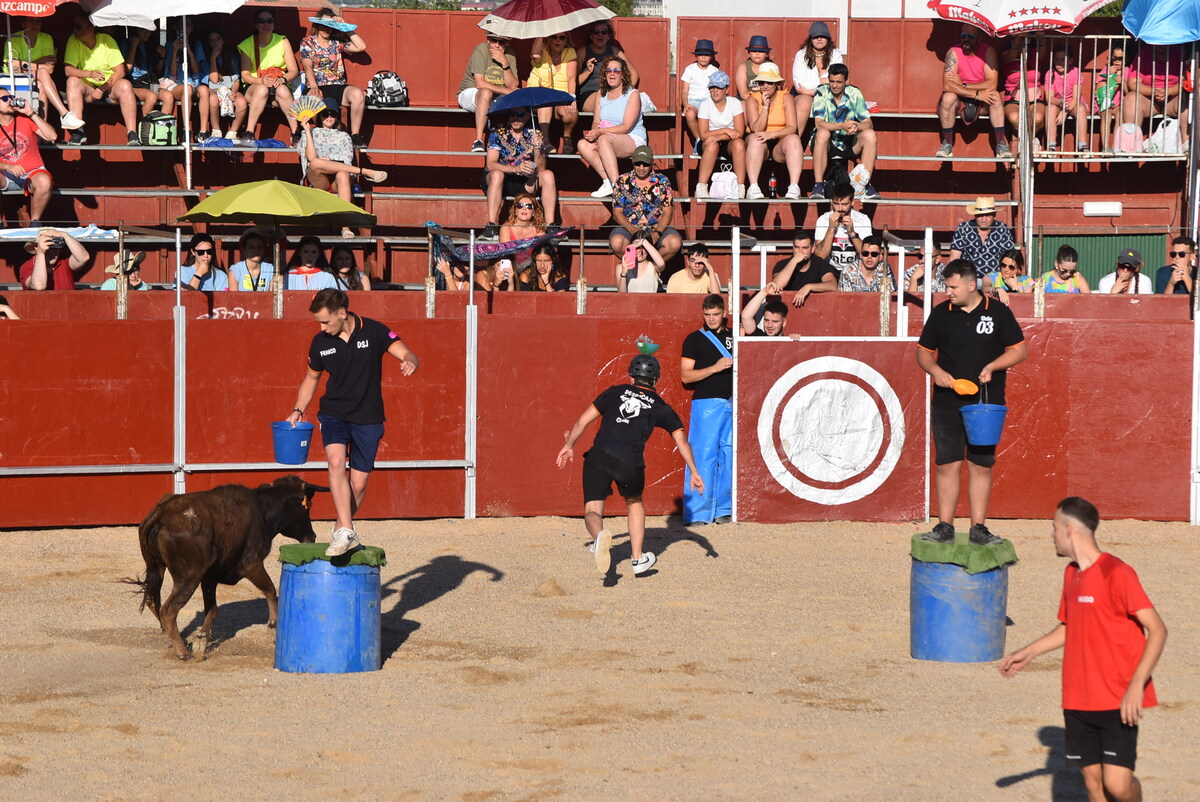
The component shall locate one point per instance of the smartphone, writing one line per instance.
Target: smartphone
(630, 257)
(506, 265)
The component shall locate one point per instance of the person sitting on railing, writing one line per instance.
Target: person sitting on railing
(327, 156)
(810, 69)
(758, 52)
(642, 203)
(1128, 278)
(525, 221)
(618, 129)
(555, 66)
(640, 267)
(491, 72)
(30, 51)
(171, 87)
(130, 264)
(95, 71)
(722, 121)
(1011, 277)
(545, 274)
(872, 267)
(697, 79)
(225, 98)
(840, 231)
(1064, 98)
(516, 165)
(200, 270)
(774, 314)
(844, 127)
(1178, 277)
(21, 162)
(698, 276)
(1010, 78)
(1152, 85)
(308, 269)
(268, 68)
(771, 132)
(600, 47)
(1065, 276)
(344, 269)
(322, 56)
(804, 272)
(55, 256)
(143, 65)
(982, 239)
(970, 80)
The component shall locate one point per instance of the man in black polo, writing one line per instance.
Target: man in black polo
(706, 365)
(351, 349)
(968, 337)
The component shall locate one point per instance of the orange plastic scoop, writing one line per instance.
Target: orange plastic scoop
(965, 387)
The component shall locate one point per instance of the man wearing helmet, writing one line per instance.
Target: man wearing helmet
(628, 415)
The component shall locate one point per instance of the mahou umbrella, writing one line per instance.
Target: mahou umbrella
(1009, 17)
(528, 19)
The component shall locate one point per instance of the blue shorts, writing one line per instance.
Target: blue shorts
(361, 439)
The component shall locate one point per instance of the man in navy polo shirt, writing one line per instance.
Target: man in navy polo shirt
(971, 337)
(351, 349)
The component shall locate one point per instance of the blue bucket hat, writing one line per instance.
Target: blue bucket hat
(704, 47)
(758, 44)
(718, 80)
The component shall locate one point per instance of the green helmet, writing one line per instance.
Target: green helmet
(646, 368)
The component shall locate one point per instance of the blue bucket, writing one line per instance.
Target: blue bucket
(328, 619)
(291, 445)
(956, 617)
(984, 423)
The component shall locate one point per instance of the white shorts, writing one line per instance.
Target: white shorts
(466, 98)
(638, 141)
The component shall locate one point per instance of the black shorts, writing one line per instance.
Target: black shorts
(950, 439)
(333, 92)
(1098, 736)
(600, 470)
(513, 184)
(630, 235)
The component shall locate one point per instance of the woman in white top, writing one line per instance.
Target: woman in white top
(645, 274)
(619, 129)
(810, 69)
(722, 125)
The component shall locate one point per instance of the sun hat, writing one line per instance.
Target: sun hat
(758, 44)
(126, 261)
(718, 80)
(817, 29)
(768, 73)
(704, 47)
(982, 205)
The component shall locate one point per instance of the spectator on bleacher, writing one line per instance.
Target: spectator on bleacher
(969, 82)
(982, 239)
(698, 276)
(1107, 95)
(1064, 98)
(268, 68)
(914, 277)
(322, 56)
(544, 275)
(774, 314)
(1011, 277)
(455, 275)
(1128, 278)
(758, 53)
(131, 265)
(1152, 85)
(618, 128)
(253, 273)
(640, 267)
(696, 80)
(31, 51)
(143, 66)
(843, 126)
(327, 156)
(525, 220)
(308, 269)
(771, 132)
(840, 231)
(225, 98)
(722, 121)
(200, 270)
(810, 69)
(1178, 277)
(54, 258)
(555, 67)
(600, 47)
(491, 72)
(499, 276)
(344, 269)
(804, 272)
(171, 87)
(642, 206)
(21, 162)
(95, 71)
(516, 165)
(1065, 275)
(872, 268)
(1010, 78)
(6, 311)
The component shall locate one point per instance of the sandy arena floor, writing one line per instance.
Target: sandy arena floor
(759, 662)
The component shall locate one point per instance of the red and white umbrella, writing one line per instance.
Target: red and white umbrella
(528, 19)
(1011, 17)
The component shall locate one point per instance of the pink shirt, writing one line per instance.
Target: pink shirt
(1012, 78)
(1157, 67)
(971, 68)
(1063, 86)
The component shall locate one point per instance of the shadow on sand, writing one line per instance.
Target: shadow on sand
(1066, 784)
(422, 585)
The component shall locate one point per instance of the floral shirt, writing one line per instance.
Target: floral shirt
(516, 147)
(643, 206)
(852, 279)
(330, 143)
(939, 281)
(327, 63)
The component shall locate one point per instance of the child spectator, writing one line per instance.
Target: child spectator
(1010, 78)
(601, 46)
(327, 156)
(491, 71)
(555, 66)
(345, 271)
(758, 53)
(722, 122)
(515, 165)
(131, 265)
(268, 68)
(200, 270)
(695, 78)
(810, 69)
(771, 132)
(95, 70)
(31, 51)
(545, 275)
(1064, 99)
(225, 98)
(253, 273)
(1065, 275)
(21, 162)
(307, 269)
(171, 87)
(640, 268)
(143, 65)
(1106, 97)
(322, 55)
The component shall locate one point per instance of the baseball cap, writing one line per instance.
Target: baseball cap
(1129, 257)
(643, 155)
(718, 80)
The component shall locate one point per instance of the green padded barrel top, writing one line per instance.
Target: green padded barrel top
(974, 559)
(302, 553)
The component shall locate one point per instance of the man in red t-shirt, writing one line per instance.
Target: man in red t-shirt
(20, 161)
(1111, 637)
(56, 255)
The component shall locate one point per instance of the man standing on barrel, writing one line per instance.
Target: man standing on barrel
(968, 337)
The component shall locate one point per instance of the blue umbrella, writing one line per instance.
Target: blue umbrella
(1163, 22)
(532, 97)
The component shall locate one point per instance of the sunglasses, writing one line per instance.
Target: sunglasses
(202, 252)
(600, 32)
(6, 98)
(1125, 267)
(517, 114)
(873, 254)
(559, 36)
(968, 36)
(1173, 254)
(612, 69)
(524, 205)
(1009, 265)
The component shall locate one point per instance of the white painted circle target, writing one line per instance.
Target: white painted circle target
(831, 430)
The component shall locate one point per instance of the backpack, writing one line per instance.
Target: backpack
(157, 128)
(723, 184)
(1127, 139)
(386, 89)
(1166, 138)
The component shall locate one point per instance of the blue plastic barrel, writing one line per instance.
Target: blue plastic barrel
(984, 423)
(291, 445)
(956, 617)
(328, 619)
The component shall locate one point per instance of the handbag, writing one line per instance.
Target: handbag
(723, 183)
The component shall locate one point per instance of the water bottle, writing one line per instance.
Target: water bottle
(772, 186)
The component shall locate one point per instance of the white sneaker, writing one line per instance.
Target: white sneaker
(605, 190)
(741, 191)
(231, 135)
(603, 551)
(344, 539)
(793, 192)
(701, 191)
(754, 192)
(70, 122)
(643, 565)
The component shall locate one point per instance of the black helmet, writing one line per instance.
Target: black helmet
(645, 367)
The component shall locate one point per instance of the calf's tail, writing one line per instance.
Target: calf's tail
(150, 588)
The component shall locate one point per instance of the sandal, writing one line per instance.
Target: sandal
(374, 176)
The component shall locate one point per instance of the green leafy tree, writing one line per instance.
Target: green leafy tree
(424, 5)
(1113, 9)
(622, 8)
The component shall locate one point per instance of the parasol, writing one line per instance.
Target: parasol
(142, 14)
(531, 97)
(1162, 22)
(277, 202)
(1011, 17)
(528, 19)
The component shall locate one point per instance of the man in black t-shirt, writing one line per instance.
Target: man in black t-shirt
(351, 349)
(628, 415)
(706, 364)
(968, 337)
(805, 273)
